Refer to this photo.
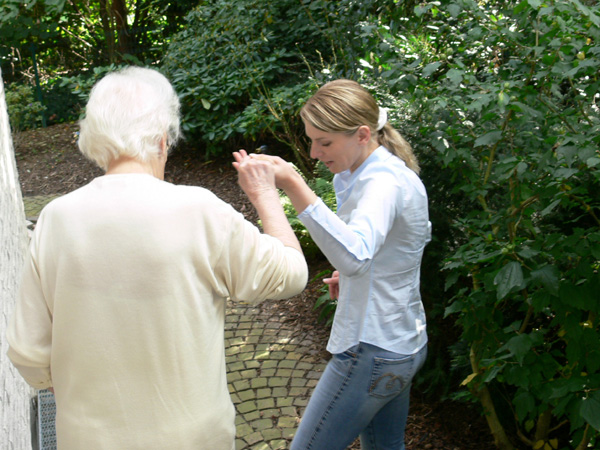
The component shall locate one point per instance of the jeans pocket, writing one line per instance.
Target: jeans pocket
(342, 363)
(391, 376)
(352, 352)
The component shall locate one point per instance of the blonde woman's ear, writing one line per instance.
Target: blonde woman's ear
(364, 134)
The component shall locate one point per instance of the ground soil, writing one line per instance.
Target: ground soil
(49, 162)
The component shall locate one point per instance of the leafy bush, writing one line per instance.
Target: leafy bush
(23, 111)
(242, 67)
(505, 96)
(325, 304)
(63, 105)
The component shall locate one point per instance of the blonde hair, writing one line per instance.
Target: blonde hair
(129, 113)
(343, 106)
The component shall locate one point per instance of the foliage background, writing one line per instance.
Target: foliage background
(499, 100)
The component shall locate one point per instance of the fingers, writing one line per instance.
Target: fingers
(334, 291)
(260, 157)
(333, 283)
(335, 277)
(240, 156)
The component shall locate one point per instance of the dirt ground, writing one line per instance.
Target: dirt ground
(49, 162)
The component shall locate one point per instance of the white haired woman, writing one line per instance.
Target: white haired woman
(124, 291)
(375, 242)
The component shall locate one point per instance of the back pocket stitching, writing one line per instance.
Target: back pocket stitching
(379, 364)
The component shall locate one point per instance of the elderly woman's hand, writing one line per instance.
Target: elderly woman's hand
(256, 176)
(284, 172)
(256, 172)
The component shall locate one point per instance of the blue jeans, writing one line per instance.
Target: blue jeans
(364, 391)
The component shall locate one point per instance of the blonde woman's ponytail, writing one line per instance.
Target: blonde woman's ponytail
(391, 139)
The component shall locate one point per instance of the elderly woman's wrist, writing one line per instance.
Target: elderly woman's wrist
(264, 195)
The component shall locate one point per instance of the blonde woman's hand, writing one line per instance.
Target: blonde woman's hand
(283, 170)
(334, 284)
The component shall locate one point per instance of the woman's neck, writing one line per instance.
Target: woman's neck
(125, 165)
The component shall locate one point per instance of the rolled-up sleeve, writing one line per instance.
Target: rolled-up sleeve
(257, 266)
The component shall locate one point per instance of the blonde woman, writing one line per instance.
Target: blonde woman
(375, 243)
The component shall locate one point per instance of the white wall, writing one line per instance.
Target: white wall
(15, 394)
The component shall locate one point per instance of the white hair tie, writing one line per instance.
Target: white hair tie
(382, 118)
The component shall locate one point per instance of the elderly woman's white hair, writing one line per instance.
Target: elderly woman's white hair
(128, 114)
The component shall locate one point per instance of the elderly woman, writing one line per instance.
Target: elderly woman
(124, 290)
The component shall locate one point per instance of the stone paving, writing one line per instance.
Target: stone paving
(272, 368)
(34, 204)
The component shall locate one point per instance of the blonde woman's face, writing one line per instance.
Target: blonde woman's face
(338, 151)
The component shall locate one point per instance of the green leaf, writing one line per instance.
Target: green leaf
(524, 404)
(454, 9)
(489, 138)
(491, 374)
(548, 209)
(456, 306)
(420, 10)
(322, 300)
(508, 278)
(548, 277)
(519, 346)
(527, 252)
(590, 410)
(455, 75)
(593, 162)
(429, 69)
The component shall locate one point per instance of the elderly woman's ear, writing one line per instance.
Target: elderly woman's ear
(164, 148)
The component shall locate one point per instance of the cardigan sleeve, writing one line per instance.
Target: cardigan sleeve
(256, 266)
(29, 333)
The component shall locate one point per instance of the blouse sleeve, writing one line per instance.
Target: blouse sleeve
(350, 247)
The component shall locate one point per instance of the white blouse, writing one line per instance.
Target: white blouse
(376, 242)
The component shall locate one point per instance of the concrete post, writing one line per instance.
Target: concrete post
(15, 394)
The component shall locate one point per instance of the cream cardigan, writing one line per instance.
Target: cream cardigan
(122, 310)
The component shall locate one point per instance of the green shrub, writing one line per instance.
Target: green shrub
(63, 105)
(243, 67)
(325, 304)
(503, 96)
(23, 111)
